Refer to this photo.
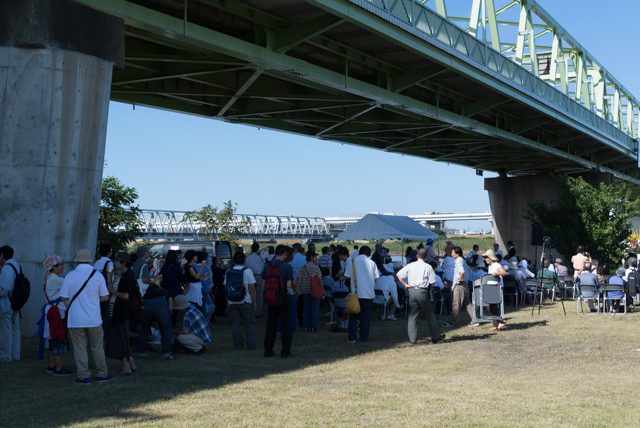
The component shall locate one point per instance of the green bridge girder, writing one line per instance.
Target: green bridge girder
(354, 72)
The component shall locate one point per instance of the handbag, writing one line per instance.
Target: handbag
(317, 290)
(351, 301)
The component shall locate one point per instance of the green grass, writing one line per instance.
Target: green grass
(545, 370)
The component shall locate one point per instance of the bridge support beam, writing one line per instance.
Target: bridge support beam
(56, 61)
(509, 198)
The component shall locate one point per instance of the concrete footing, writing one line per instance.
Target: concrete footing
(509, 198)
(53, 119)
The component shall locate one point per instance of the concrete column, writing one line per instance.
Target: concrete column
(56, 61)
(509, 198)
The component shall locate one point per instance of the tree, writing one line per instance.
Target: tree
(597, 217)
(217, 223)
(119, 221)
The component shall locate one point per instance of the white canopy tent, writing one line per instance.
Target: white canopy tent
(378, 227)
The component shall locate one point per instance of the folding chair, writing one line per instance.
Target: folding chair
(587, 293)
(381, 300)
(328, 291)
(566, 285)
(532, 289)
(549, 279)
(487, 291)
(510, 288)
(606, 298)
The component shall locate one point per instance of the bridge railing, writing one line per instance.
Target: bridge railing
(520, 43)
(156, 224)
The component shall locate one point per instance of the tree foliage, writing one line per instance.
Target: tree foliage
(598, 218)
(119, 221)
(218, 223)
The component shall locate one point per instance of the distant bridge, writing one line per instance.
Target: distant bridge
(176, 225)
(164, 224)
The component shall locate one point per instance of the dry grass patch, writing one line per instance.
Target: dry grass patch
(546, 370)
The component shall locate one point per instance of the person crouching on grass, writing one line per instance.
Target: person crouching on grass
(195, 331)
(494, 268)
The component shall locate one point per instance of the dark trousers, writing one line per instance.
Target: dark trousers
(366, 307)
(273, 313)
(419, 303)
(155, 310)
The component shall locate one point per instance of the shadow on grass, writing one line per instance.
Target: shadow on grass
(468, 337)
(526, 325)
(143, 397)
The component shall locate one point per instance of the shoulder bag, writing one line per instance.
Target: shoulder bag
(352, 302)
(80, 290)
(317, 290)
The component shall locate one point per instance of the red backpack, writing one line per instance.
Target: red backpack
(275, 292)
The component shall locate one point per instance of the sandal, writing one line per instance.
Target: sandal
(501, 326)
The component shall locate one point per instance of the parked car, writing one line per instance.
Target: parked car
(221, 249)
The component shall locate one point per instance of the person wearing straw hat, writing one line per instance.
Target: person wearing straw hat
(83, 290)
(53, 280)
(494, 268)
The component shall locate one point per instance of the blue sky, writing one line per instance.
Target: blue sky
(183, 162)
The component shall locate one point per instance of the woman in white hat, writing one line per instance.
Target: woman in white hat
(494, 268)
(53, 268)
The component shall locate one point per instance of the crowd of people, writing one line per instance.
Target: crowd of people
(120, 302)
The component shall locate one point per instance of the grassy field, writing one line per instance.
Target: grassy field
(545, 370)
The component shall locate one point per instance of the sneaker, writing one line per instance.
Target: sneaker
(200, 351)
(50, 370)
(474, 324)
(85, 381)
(351, 341)
(168, 357)
(392, 318)
(62, 372)
(446, 325)
(439, 339)
(102, 379)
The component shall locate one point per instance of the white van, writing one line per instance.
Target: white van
(220, 249)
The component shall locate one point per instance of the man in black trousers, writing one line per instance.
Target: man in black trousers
(417, 277)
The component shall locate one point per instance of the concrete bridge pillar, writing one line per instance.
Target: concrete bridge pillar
(509, 198)
(56, 61)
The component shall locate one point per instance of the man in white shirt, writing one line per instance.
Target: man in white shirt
(243, 320)
(256, 264)
(363, 279)
(83, 316)
(417, 277)
(461, 295)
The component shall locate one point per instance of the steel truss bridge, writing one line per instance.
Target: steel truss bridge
(176, 225)
(495, 85)
(162, 224)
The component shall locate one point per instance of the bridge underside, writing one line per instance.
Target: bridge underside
(308, 68)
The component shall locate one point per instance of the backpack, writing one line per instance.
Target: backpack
(275, 293)
(21, 290)
(234, 287)
(632, 282)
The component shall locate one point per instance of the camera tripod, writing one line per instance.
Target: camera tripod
(546, 250)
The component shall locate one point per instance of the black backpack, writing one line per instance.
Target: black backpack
(21, 290)
(235, 289)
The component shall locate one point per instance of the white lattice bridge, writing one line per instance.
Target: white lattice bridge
(164, 224)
